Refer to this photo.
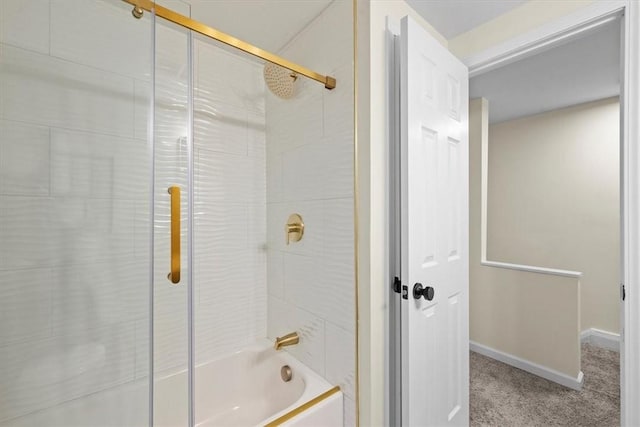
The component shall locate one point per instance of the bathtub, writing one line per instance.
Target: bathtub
(242, 389)
(246, 389)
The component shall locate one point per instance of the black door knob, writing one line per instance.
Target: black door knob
(417, 290)
(427, 292)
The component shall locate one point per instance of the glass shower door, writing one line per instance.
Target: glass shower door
(171, 262)
(75, 196)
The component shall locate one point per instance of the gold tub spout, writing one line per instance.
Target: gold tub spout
(289, 339)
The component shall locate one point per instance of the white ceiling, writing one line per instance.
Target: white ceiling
(267, 24)
(580, 71)
(453, 17)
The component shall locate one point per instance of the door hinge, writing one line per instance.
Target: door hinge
(623, 293)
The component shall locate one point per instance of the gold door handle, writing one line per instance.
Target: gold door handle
(174, 275)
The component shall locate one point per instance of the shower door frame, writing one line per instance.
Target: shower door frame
(152, 221)
(329, 83)
(193, 25)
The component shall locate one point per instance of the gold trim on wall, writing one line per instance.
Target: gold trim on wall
(191, 24)
(300, 409)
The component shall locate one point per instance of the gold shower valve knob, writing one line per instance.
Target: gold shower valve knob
(294, 229)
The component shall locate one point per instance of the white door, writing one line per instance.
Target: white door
(434, 232)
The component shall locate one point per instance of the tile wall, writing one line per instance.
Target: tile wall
(74, 200)
(72, 169)
(310, 171)
(230, 202)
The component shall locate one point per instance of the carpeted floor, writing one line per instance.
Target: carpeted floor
(505, 396)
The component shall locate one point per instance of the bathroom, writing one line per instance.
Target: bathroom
(261, 212)
(170, 206)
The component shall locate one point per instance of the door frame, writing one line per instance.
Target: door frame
(552, 34)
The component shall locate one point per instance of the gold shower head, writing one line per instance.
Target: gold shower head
(280, 80)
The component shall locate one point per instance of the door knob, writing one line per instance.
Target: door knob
(427, 292)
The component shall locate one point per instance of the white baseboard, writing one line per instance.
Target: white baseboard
(601, 338)
(532, 368)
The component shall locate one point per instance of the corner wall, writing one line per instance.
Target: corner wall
(553, 200)
(523, 314)
(310, 169)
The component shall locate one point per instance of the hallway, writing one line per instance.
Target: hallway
(502, 395)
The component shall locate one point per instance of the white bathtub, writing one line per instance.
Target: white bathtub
(243, 389)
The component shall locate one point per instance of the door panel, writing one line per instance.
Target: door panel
(454, 368)
(171, 162)
(434, 231)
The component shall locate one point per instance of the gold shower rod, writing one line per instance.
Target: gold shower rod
(191, 24)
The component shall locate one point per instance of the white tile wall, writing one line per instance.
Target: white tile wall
(256, 121)
(318, 170)
(180, 6)
(349, 418)
(40, 232)
(141, 332)
(302, 115)
(74, 208)
(170, 346)
(339, 367)
(25, 24)
(310, 171)
(170, 339)
(25, 306)
(72, 178)
(142, 99)
(230, 202)
(230, 80)
(40, 89)
(230, 196)
(78, 29)
(89, 296)
(275, 273)
(27, 233)
(337, 124)
(98, 166)
(141, 229)
(313, 242)
(24, 159)
(284, 317)
(42, 373)
(221, 128)
(224, 178)
(274, 176)
(338, 264)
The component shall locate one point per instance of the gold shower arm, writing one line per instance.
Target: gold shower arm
(191, 24)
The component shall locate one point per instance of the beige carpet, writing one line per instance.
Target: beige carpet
(505, 396)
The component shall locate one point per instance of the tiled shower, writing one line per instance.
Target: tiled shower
(84, 208)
